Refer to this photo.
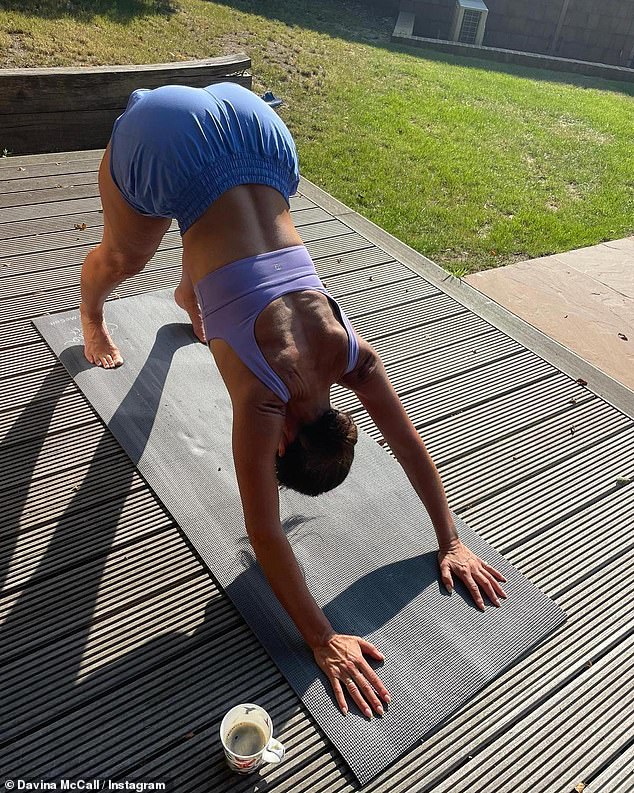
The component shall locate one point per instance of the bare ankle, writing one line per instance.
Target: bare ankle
(185, 297)
(91, 316)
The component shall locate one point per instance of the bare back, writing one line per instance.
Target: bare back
(302, 340)
(245, 221)
(298, 334)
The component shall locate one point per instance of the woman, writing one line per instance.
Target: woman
(222, 163)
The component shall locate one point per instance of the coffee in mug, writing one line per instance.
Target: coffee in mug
(246, 733)
(246, 738)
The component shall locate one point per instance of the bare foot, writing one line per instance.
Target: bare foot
(98, 346)
(192, 308)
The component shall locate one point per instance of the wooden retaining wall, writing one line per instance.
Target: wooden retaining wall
(68, 109)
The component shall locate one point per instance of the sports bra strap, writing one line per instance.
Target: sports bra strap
(232, 297)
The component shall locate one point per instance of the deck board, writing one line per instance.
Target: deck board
(120, 654)
(10, 172)
(31, 186)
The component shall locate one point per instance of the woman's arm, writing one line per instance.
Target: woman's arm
(257, 428)
(371, 384)
(254, 432)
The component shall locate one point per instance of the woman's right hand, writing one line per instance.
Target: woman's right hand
(341, 659)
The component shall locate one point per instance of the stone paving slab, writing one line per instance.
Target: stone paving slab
(583, 299)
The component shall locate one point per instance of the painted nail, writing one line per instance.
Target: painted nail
(368, 713)
(380, 711)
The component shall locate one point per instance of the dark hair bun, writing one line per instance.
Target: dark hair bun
(332, 425)
(320, 456)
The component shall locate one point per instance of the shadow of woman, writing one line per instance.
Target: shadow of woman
(66, 720)
(369, 603)
(55, 607)
(19, 453)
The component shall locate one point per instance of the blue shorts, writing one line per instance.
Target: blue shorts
(175, 149)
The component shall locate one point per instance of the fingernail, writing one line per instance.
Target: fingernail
(368, 713)
(388, 699)
(345, 711)
(380, 711)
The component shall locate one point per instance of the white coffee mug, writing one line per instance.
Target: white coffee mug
(246, 733)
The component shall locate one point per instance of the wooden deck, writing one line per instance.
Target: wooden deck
(118, 653)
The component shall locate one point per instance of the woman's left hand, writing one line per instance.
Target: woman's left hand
(472, 571)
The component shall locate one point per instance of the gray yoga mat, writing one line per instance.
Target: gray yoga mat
(368, 549)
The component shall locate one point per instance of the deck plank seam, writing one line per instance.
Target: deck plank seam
(112, 452)
(38, 579)
(577, 509)
(23, 246)
(608, 762)
(568, 408)
(195, 643)
(419, 391)
(44, 368)
(160, 261)
(33, 438)
(162, 267)
(426, 323)
(476, 367)
(585, 447)
(107, 614)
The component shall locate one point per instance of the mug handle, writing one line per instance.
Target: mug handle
(273, 751)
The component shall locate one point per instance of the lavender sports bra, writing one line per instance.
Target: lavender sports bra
(232, 297)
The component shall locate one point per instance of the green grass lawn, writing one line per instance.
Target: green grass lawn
(471, 163)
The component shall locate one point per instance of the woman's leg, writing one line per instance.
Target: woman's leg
(129, 242)
(185, 297)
